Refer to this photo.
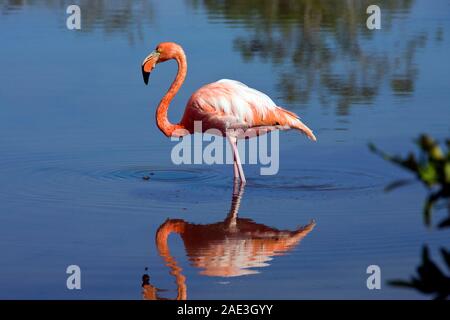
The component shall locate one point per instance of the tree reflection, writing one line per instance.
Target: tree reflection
(323, 47)
(125, 17)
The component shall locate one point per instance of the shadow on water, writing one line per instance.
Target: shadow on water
(229, 248)
(323, 49)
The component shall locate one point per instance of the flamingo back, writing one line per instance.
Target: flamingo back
(229, 104)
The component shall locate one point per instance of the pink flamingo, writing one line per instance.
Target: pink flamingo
(229, 106)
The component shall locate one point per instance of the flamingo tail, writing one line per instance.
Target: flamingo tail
(294, 122)
(305, 130)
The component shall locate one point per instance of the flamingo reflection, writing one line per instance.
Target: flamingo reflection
(229, 248)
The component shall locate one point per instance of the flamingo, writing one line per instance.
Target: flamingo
(229, 106)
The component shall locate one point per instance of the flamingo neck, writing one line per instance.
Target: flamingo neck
(162, 120)
(162, 246)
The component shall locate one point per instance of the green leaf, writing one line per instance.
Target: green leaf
(428, 174)
(447, 172)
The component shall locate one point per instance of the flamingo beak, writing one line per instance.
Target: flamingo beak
(149, 63)
(145, 75)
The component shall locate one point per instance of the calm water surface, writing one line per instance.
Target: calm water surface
(77, 134)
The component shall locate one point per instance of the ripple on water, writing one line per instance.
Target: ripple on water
(173, 174)
(94, 179)
(320, 180)
(45, 177)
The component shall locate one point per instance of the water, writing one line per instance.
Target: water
(77, 135)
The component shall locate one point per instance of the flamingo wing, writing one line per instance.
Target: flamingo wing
(229, 104)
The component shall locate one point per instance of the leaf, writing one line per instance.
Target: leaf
(447, 172)
(430, 279)
(401, 283)
(398, 184)
(446, 255)
(431, 168)
(427, 210)
(444, 223)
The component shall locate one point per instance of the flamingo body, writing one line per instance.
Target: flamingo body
(229, 106)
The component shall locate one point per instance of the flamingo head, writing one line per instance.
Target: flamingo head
(149, 64)
(163, 52)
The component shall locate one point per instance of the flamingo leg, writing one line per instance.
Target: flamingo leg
(231, 220)
(236, 169)
(237, 159)
(235, 166)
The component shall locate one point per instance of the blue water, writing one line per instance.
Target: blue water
(77, 134)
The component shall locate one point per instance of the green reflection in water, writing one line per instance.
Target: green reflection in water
(324, 47)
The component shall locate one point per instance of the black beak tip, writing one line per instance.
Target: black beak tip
(145, 75)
